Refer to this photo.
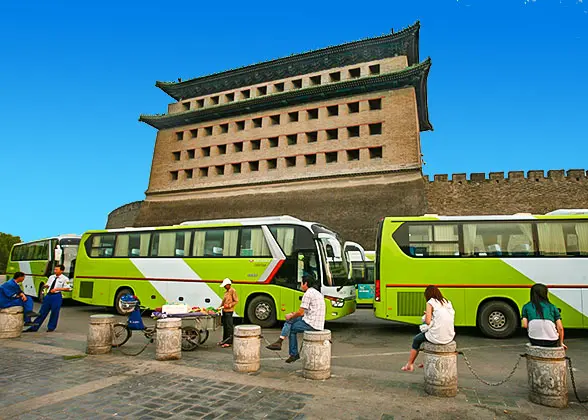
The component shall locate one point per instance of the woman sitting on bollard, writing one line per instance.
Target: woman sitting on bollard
(542, 319)
(437, 327)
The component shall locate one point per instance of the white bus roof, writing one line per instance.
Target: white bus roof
(248, 220)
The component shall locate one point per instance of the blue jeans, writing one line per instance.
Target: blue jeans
(290, 329)
(51, 303)
(27, 306)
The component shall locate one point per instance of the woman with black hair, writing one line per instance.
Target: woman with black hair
(437, 327)
(542, 319)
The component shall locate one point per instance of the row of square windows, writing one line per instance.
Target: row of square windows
(291, 161)
(279, 87)
(311, 114)
(291, 139)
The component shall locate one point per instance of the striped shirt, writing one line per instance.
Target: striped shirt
(313, 304)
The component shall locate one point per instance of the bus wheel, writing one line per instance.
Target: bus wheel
(262, 311)
(118, 304)
(498, 319)
(41, 294)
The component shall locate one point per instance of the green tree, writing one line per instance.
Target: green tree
(6, 242)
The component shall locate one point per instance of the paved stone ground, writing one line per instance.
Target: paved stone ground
(43, 378)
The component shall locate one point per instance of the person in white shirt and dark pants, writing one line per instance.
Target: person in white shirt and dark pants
(56, 284)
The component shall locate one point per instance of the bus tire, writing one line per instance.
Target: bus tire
(41, 293)
(116, 304)
(498, 319)
(262, 311)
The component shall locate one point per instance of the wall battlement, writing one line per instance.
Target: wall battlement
(512, 176)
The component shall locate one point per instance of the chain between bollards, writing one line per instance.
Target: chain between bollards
(571, 369)
(468, 364)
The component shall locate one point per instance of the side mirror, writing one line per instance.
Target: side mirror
(352, 246)
(57, 253)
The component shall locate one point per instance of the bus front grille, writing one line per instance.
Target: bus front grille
(410, 303)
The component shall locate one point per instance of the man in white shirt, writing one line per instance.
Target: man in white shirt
(310, 317)
(56, 284)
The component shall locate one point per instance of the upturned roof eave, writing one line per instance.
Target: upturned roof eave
(415, 76)
(269, 70)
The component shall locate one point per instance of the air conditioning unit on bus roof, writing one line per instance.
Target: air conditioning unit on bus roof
(246, 220)
(564, 212)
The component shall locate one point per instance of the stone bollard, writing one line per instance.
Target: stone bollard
(247, 348)
(168, 339)
(100, 334)
(316, 354)
(546, 373)
(11, 322)
(440, 369)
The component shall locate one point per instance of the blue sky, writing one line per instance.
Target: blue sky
(508, 87)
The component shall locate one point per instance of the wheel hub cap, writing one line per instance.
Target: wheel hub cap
(262, 311)
(497, 320)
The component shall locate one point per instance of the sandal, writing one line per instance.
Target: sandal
(406, 368)
(224, 346)
(421, 366)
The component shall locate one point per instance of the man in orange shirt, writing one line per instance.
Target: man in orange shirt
(229, 302)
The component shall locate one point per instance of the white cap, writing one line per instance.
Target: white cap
(225, 282)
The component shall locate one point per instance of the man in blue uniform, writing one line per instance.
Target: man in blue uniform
(56, 284)
(12, 295)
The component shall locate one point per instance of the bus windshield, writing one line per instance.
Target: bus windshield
(336, 261)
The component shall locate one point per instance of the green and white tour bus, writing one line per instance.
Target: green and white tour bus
(37, 259)
(362, 264)
(264, 257)
(485, 265)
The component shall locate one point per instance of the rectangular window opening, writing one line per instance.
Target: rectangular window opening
(332, 134)
(220, 169)
(353, 131)
(375, 104)
(293, 116)
(374, 69)
(272, 163)
(240, 125)
(333, 110)
(246, 94)
(290, 161)
(222, 149)
(189, 173)
(236, 168)
(315, 80)
(275, 119)
(205, 151)
(254, 166)
(174, 175)
(255, 144)
(224, 128)
(310, 160)
(176, 155)
(257, 122)
(312, 137)
(354, 73)
(203, 172)
(274, 141)
(353, 155)
(208, 131)
(262, 90)
(179, 135)
(230, 97)
(292, 139)
(375, 152)
(353, 107)
(194, 133)
(375, 129)
(186, 106)
(215, 100)
(279, 87)
(313, 114)
(335, 77)
(238, 147)
(191, 153)
(297, 83)
(331, 157)
(200, 103)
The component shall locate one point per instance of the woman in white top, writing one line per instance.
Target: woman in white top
(437, 327)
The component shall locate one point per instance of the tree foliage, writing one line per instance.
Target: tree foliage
(6, 242)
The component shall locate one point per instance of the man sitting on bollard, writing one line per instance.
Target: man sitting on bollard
(310, 317)
(12, 295)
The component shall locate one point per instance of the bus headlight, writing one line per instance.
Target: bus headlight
(338, 303)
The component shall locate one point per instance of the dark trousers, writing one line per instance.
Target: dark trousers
(27, 306)
(51, 304)
(544, 343)
(228, 327)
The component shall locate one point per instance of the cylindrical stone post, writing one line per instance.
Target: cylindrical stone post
(316, 354)
(168, 339)
(100, 334)
(247, 348)
(546, 373)
(440, 369)
(11, 322)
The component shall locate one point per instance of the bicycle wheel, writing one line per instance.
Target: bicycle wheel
(204, 336)
(190, 338)
(120, 334)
